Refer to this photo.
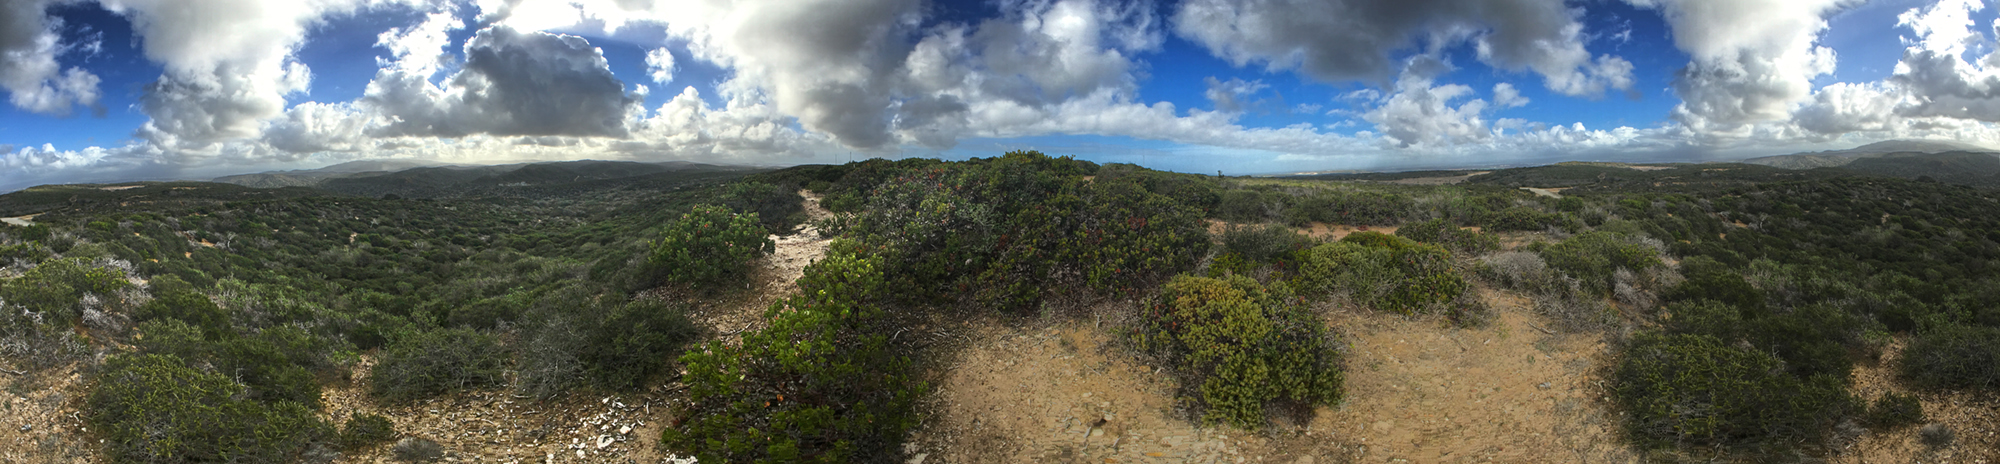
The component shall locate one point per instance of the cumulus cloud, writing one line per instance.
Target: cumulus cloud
(660, 65)
(1342, 40)
(1505, 95)
(512, 83)
(228, 63)
(1751, 61)
(1420, 113)
(29, 45)
(1229, 96)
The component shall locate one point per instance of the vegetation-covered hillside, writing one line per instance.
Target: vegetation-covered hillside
(1738, 300)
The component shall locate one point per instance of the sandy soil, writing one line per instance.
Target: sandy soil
(1318, 230)
(1418, 391)
(1421, 391)
(498, 427)
(1973, 418)
(1554, 192)
(1066, 392)
(39, 422)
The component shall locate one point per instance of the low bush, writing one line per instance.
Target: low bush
(423, 363)
(709, 244)
(1386, 272)
(1593, 257)
(820, 384)
(365, 430)
(1697, 389)
(1892, 410)
(154, 408)
(1948, 355)
(1444, 233)
(1519, 270)
(1242, 347)
(1270, 243)
(572, 339)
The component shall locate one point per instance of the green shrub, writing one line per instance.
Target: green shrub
(423, 363)
(708, 244)
(1954, 356)
(154, 408)
(1270, 243)
(636, 342)
(1444, 233)
(1383, 271)
(1242, 347)
(187, 306)
(1592, 257)
(1697, 389)
(820, 384)
(366, 430)
(1892, 410)
(54, 288)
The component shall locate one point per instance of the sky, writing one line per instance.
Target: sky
(117, 90)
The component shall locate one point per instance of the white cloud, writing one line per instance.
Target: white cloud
(229, 65)
(512, 83)
(1751, 61)
(1229, 96)
(1419, 113)
(660, 65)
(1342, 40)
(1506, 96)
(29, 45)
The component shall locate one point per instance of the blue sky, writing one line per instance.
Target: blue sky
(154, 89)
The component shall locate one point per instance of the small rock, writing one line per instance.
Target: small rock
(579, 454)
(27, 428)
(1086, 394)
(625, 430)
(1543, 385)
(603, 441)
(918, 458)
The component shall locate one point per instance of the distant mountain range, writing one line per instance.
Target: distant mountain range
(1943, 161)
(1836, 158)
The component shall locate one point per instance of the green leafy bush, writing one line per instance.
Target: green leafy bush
(708, 244)
(1383, 271)
(635, 342)
(1697, 389)
(154, 408)
(1950, 355)
(1242, 347)
(1892, 410)
(366, 430)
(1270, 243)
(423, 363)
(1443, 232)
(55, 288)
(820, 384)
(1591, 258)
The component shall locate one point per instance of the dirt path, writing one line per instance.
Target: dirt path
(1418, 391)
(776, 275)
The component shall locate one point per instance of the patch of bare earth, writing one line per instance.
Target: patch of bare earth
(1318, 230)
(1418, 390)
(499, 427)
(1446, 180)
(1973, 418)
(39, 422)
(1064, 392)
